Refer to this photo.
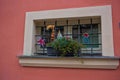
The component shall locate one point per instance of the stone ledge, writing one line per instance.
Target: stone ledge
(96, 62)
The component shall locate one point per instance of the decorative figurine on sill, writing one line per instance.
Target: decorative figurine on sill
(52, 27)
(59, 35)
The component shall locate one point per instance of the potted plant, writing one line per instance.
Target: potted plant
(66, 46)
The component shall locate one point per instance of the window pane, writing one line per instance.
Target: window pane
(84, 30)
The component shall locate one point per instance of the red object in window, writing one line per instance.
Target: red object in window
(86, 35)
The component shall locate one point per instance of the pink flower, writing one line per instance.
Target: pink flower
(41, 42)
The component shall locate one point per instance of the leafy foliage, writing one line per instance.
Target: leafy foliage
(66, 46)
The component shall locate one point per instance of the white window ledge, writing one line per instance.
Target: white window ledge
(102, 62)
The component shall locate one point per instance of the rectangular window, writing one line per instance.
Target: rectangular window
(91, 26)
(85, 30)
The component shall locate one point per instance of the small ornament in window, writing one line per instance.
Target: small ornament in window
(52, 27)
(86, 38)
(41, 42)
(59, 35)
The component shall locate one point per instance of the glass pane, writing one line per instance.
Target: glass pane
(86, 33)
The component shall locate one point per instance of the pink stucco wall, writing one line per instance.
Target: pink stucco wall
(12, 20)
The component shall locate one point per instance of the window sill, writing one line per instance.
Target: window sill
(97, 62)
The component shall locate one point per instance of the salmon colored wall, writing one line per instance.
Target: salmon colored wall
(12, 20)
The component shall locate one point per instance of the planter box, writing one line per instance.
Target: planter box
(51, 51)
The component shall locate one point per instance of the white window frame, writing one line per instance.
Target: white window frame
(103, 11)
(103, 62)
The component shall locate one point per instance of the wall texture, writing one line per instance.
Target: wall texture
(12, 21)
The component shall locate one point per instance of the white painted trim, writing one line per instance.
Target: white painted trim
(70, 62)
(103, 11)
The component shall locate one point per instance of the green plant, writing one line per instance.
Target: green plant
(66, 46)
